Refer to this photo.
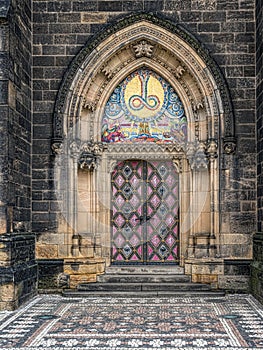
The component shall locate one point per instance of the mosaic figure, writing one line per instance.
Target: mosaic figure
(144, 108)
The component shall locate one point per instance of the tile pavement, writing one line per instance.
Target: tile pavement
(54, 322)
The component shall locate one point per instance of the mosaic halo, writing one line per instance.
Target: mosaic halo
(144, 108)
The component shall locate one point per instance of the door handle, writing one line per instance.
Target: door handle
(143, 219)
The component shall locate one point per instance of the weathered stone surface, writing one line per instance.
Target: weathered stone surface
(79, 269)
(19, 273)
(200, 278)
(94, 17)
(49, 274)
(75, 280)
(234, 283)
(46, 251)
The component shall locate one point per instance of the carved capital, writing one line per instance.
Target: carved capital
(93, 147)
(196, 153)
(75, 149)
(111, 164)
(91, 153)
(211, 149)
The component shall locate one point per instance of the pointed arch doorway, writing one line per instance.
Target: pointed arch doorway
(145, 213)
(90, 138)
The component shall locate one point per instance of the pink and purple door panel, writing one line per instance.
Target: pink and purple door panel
(145, 213)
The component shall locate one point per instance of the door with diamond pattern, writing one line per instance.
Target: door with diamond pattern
(145, 213)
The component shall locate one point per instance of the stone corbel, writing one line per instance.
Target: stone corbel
(107, 71)
(57, 148)
(90, 105)
(87, 161)
(229, 145)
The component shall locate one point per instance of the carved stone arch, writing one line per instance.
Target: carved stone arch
(88, 75)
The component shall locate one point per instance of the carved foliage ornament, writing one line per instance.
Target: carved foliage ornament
(57, 148)
(90, 154)
(143, 49)
(200, 153)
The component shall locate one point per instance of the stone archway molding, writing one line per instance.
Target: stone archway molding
(138, 40)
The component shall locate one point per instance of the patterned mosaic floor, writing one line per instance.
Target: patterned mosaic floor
(54, 322)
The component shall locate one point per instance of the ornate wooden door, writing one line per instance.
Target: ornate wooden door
(145, 213)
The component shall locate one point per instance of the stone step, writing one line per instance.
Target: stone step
(143, 269)
(141, 287)
(142, 278)
(142, 294)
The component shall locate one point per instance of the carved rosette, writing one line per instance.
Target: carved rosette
(143, 49)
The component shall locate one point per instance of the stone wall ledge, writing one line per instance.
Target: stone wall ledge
(201, 261)
(13, 237)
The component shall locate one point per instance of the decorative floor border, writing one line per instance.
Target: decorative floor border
(233, 322)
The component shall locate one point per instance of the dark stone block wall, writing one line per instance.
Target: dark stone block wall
(226, 28)
(17, 243)
(257, 266)
(18, 274)
(50, 274)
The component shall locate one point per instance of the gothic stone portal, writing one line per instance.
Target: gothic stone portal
(145, 213)
(170, 104)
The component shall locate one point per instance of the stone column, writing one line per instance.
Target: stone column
(214, 196)
(74, 151)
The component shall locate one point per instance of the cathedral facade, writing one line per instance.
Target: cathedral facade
(130, 136)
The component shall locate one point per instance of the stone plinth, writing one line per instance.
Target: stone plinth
(18, 270)
(83, 270)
